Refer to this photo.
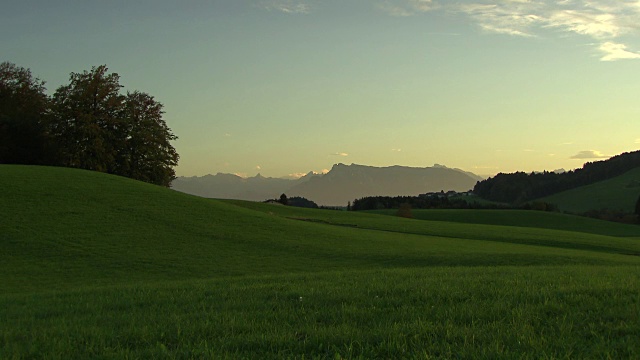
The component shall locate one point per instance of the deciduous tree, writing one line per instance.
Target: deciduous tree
(146, 153)
(100, 129)
(23, 106)
(87, 116)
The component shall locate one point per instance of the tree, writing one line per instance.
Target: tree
(299, 201)
(146, 153)
(405, 210)
(23, 107)
(284, 200)
(98, 128)
(86, 118)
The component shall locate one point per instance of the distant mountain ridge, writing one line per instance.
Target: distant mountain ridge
(343, 183)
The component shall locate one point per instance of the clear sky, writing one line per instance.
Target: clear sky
(289, 86)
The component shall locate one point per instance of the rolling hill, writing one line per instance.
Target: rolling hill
(619, 194)
(523, 218)
(519, 187)
(94, 265)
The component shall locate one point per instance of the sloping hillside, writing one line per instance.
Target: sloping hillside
(523, 218)
(64, 227)
(98, 266)
(619, 193)
(519, 187)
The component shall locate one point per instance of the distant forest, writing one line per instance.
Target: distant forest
(415, 202)
(520, 187)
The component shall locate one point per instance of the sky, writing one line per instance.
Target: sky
(284, 87)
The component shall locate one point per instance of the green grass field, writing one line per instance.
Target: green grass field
(523, 218)
(619, 193)
(94, 265)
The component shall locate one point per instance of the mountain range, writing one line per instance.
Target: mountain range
(343, 183)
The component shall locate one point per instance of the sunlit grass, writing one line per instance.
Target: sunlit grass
(523, 218)
(489, 312)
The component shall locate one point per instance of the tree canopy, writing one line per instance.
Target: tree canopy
(23, 106)
(88, 123)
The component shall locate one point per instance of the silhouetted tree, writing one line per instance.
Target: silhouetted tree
(405, 211)
(23, 107)
(284, 200)
(299, 201)
(98, 128)
(145, 152)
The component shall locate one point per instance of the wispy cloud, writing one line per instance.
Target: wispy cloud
(396, 150)
(340, 154)
(258, 167)
(510, 17)
(589, 154)
(598, 26)
(407, 7)
(601, 20)
(606, 22)
(287, 6)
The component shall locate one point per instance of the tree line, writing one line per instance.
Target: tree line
(417, 202)
(439, 202)
(520, 187)
(88, 124)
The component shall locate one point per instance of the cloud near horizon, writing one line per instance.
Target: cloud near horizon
(590, 154)
(340, 154)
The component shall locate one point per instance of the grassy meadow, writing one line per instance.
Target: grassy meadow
(522, 218)
(98, 266)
